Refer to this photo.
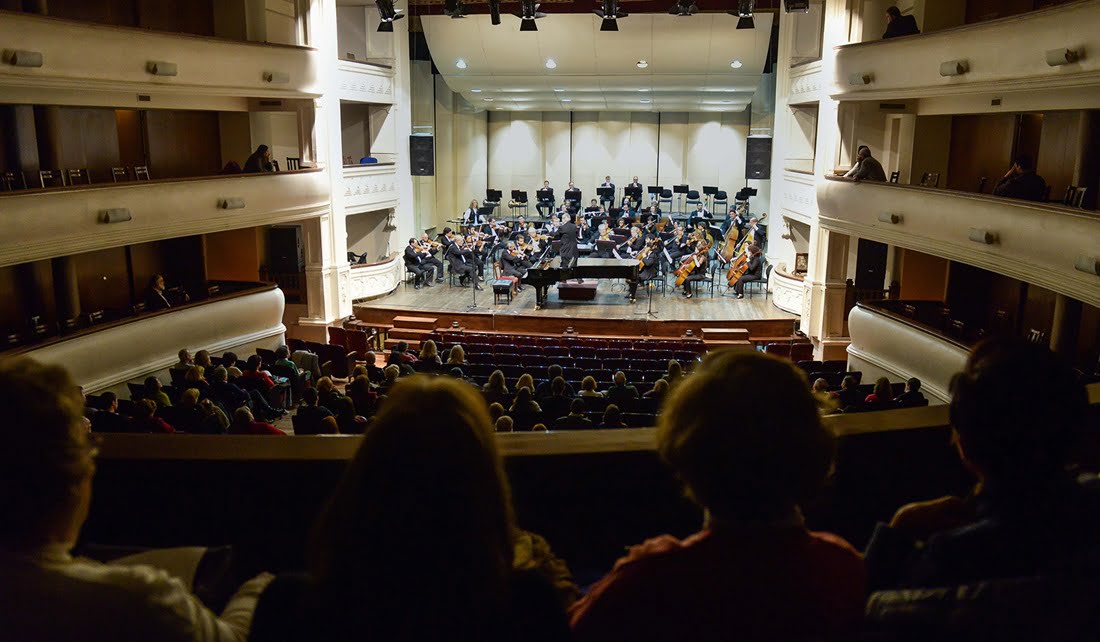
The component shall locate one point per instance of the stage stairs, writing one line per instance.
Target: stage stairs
(739, 338)
(411, 330)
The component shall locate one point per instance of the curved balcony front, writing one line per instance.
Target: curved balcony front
(368, 188)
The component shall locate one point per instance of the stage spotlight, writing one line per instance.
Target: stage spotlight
(744, 14)
(494, 11)
(455, 8)
(610, 11)
(388, 13)
(529, 13)
(683, 8)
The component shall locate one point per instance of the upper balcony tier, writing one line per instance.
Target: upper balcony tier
(368, 188)
(1005, 55)
(364, 82)
(1049, 245)
(78, 56)
(40, 224)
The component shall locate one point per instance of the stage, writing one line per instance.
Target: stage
(610, 314)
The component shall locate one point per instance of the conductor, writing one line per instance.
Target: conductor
(567, 233)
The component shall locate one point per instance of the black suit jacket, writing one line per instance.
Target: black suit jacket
(412, 257)
(568, 235)
(901, 26)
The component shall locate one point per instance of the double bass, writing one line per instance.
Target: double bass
(688, 265)
(740, 264)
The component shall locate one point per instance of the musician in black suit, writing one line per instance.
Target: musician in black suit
(700, 214)
(649, 264)
(430, 257)
(462, 262)
(755, 272)
(513, 263)
(470, 216)
(637, 202)
(545, 202)
(607, 183)
(759, 236)
(637, 240)
(568, 235)
(414, 262)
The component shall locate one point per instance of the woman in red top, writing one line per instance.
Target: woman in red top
(754, 572)
(148, 421)
(245, 424)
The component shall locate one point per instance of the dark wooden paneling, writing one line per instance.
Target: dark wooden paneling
(1057, 154)
(1030, 130)
(1038, 310)
(981, 145)
(982, 10)
(88, 138)
(111, 12)
(182, 143)
(131, 138)
(104, 279)
(182, 16)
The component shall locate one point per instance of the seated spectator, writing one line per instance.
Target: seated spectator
(820, 388)
(588, 387)
(658, 391)
(456, 373)
(405, 512)
(558, 403)
(524, 402)
(496, 411)
(504, 424)
(553, 372)
(156, 296)
(526, 381)
(46, 470)
(229, 359)
(365, 399)
(154, 391)
(347, 420)
(186, 416)
(496, 390)
(754, 572)
(228, 395)
(327, 395)
(881, 396)
(329, 426)
(1022, 182)
(898, 25)
(307, 419)
(202, 359)
(147, 419)
(575, 420)
(540, 427)
(259, 161)
(1028, 515)
(912, 397)
(254, 372)
(675, 373)
(245, 424)
(108, 419)
(429, 360)
(195, 379)
(457, 356)
(185, 361)
(620, 392)
(374, 373)
(612, 417)
(392, 373)
(286, 367)
(402, 358)
(214, 421)
(849, 395)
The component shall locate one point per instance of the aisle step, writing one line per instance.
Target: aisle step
(407, 334)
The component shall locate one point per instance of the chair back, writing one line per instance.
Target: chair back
(52, 177)
(894, 176)
(141, 172)
(293, 163)
(120, 174)
(78, 175)
(11, 181)
(693, 195)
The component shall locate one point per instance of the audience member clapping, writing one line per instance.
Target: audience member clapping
(754, 572)
(46, 470)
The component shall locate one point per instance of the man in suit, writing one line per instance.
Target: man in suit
(754, 273)
(649, 266)
(430, 257)
(898, 25)
(575, 420)
(1022, 182)
(700, 214)
(759, 236)
(462, 262)
(621, 393)
(513, 263)
(568, 235)
(557, 404)
(636, 202)
(545, 202)
(607, 183)
(867, 168)
(572, 198)
(414, 262)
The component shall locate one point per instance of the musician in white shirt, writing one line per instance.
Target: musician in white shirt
(470, 216)
(604, 199)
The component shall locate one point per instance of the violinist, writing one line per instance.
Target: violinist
(430, 249)
(703, 233)
(446, 239)
(513, 263)
(755, 270)
(462, 263)
(637, 240)
(675, 245)
(476, 245)
(696, 267)
(602, 234)
(414, 263)
(648, 261)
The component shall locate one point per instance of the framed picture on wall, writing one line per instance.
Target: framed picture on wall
(801, 262)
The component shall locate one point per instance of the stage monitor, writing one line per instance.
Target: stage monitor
(679, 189)
(710, 191)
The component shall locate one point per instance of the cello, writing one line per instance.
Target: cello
(688, 265)
(740, 264)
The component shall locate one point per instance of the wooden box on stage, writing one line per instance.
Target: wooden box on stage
(577, 291)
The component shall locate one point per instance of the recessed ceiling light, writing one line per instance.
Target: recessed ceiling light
(559, 89)
(500, 108)
(460, 63)
(737, 64)
(550, 64)
(567, 100)
(476, 91)
(645, 100)
(642, 64)
(644, 89)
(488, 100)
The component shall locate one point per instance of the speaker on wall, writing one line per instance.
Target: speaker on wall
(284, 249)
(422, 153)
(758, 158)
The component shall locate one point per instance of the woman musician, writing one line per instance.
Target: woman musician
(694, 267)
(648, 261)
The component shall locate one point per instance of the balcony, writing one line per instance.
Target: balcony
(368, 188)
(40, 224)
(375, 279)
(79, 56)
(1004, 55)
(364, 82)
(1049, 245)
(806, 81)
(105, 356)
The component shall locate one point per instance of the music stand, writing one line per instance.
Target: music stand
(492, 197)
(682, 190)
(709, 192)
(574, 196)
(606, 194)
(519, 201)
(635, 195)
(483, 214)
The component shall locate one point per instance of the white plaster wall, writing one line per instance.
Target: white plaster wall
(351, 32)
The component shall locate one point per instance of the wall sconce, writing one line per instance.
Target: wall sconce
(1059, 57)
(21, 58)
(954, 68)
(276, 77)
(161, 68)
(860, 79)
(887, 217)
(232, 203)
(1088, 265)
(115, 215)
(985, 237)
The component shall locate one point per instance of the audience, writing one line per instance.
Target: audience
(283, 360)
(214, 421)
(108, 419)
(912, 397)
(575, 420)
(504, 424)
(588, 387)
(364, 398)
(553, 372)
(327, 394)
(195, 379)
(147, 419)
(1022, 182)
(374, 373)
(496, 390)
(154, 392)
(307, 419)
(849, 395)
(245, 424)
(392, 373)
(259, 161)
(898, 25)
(496, 411)
(429, 360)
(867, 167)
(418, 543)
(347, 420)
(881, 396)
(402, 358)
(229, 395)
(612, 417)
(185, 361)
(456, 356)
(557, 403)
(658, 391)
(526, 381)
(524, 402)
(202, 359)
(46, 470)
(620, 392)
(754, 572)
(675, 373)
(186, 416)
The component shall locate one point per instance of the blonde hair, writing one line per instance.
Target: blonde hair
(324, 384)
(496, 383)
(588, 383)
(526, 381)
(504, 424)
(457, 355)
(202, 358)
(428, 350)
(190, 397)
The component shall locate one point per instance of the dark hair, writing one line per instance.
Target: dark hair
(612, 414)
(863, 147)
(106, 399)
(894, 11)
(913, 383)
(456, 372)
(554, 371)
(1025, 163)
(261, 149)
(152, 385)
(309, 396)
(577, 407)
(847, 382)
(229, 358)
(254, 362)
(428, 464)
(557, 386)
(1017, 443)
(282, 352)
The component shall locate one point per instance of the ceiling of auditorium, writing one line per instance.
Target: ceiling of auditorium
(688, 62)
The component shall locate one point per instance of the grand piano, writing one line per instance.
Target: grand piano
(550, 271)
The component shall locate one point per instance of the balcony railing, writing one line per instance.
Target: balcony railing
(78, 56)
(40, 224)
(1048, 245)
(370, 187)
(364, 82)
(375, 279)
(909, 67)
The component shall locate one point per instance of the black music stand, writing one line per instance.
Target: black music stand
(682, 190)
(606, 194)
(573, 196)
(635, 195)
(492, 198)
(519, 201)
(544, 196)
(709, 193)
(483, 214)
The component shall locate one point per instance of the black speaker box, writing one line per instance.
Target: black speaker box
(758, 159)
(422, 153)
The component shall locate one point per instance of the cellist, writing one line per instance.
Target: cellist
(754, 272)
(694, 268)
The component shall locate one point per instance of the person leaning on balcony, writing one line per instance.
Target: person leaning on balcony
(259, 161)
(867, 168)
(1022, 182)
(899, 25)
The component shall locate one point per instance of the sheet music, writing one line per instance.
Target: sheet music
(667, 255)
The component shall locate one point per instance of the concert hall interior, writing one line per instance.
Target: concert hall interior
(794, 303)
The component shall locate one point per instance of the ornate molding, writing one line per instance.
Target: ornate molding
(369, 187)
(788, 292)
(805, 84)
(370, 281)
(364, 83)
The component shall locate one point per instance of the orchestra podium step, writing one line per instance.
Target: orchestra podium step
(415, 323)
(725, 334)
(409, 334)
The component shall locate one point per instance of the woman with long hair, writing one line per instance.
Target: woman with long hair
(457, 356)
(496, 390)
(526, 381)
(418, 542)
(429, 358)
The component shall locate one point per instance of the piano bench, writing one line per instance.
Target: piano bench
(502, 289)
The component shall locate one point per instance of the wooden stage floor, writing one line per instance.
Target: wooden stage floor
(610, 303)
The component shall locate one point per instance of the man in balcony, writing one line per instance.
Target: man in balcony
(898, 25)
(1022, 182)
(867, 168)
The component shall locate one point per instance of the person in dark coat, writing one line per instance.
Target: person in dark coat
(1022, 182)
(568, 236)
(898, 25)
(259, 161)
